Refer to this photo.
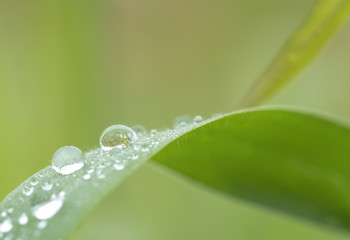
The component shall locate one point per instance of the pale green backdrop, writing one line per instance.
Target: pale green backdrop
(70, 68)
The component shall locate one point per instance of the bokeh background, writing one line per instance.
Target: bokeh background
(70, 68)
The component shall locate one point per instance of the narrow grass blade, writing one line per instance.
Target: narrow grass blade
(303, 46)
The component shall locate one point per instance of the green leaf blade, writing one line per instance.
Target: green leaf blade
(279, 158)
(285, 160)
(303, 46)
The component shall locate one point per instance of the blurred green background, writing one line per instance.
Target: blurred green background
(69, 69)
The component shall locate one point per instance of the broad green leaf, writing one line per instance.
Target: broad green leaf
(303, 46)
(283, 159)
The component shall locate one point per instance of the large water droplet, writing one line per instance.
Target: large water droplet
(117, 136)
(47, 210)
(23, 219)
(67, 160)
(6, 226)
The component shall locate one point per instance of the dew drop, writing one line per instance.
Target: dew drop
(42, 224)
(47, 186)
(144, 147)
(47, 210)
(27, 190)
(117, 136)
(87, 176)
(217, 115)
(197, 119)
(134, 156)
(3, 214)
(119, 166)
(154, 132)
(140, 130)
(10, 210)
(23, 219)
(67, 160)
(34, 181)
(137, 147)
(6, 226)
(182, 121)
(99, 174)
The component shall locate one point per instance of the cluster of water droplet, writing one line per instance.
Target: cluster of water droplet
(38, 208)
(121, 146)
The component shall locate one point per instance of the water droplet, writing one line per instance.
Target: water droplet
(27, 190)
(99, 174)
(34, 181)
(47, 210)
(6, 226)
(23, 219)
(42, 224)
(47, 186)
(217, 115)
(87, 176)
(197, 119)
(154, 132)
(140, 130)
(10, 210)
(137, 147)
(67, 160)
(182, 121)
(134, 156)
(117, 136)
(3, 214)
(144, 147)
(119, 166)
